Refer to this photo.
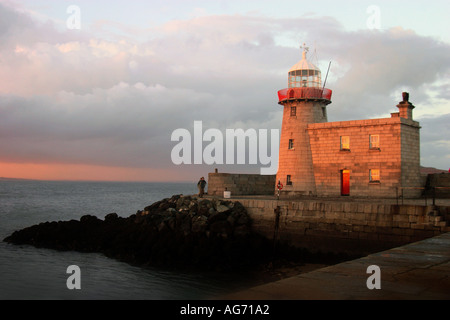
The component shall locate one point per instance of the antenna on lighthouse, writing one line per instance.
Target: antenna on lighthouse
(325, 81)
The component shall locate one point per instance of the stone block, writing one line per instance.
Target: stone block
(400, 218)
(333, 215)
(402, 225)
(417, 226)
(384, 224)
(359, 217)
(368, 208)
(441, 224)
(358, 228)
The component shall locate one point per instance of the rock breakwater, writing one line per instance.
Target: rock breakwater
(181, 231)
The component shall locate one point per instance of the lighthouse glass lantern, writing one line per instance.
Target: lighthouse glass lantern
(304, 74)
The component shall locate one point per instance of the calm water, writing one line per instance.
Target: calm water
(30, 273)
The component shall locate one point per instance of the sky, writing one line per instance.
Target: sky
(93, 90)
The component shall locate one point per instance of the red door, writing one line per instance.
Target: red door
(345, 182)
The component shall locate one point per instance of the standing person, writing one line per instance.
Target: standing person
(201, 187)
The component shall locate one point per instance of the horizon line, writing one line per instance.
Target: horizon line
(87, 180)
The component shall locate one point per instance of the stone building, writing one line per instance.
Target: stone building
(374, 157)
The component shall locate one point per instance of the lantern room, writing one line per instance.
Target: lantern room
(304, 74)
(304, 83)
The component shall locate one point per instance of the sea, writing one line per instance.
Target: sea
(30, 273)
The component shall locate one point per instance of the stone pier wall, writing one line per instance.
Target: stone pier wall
(241, 184)
(346, 227)
(438, 184)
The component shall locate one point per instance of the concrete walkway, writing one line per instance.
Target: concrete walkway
(419, 270)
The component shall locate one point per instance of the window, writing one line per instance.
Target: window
(293, 111)
(374, 141)
(291, 144)
(345, 143)
(304, 78)
(288, 181)
(374, 175)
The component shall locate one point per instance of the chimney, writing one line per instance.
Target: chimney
(405, 107)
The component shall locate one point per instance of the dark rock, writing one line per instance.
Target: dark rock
(222, 208)
(231, 220)
(221, 227)
(203, 210)
(217, 216)
(88, 219)
(164, 206)
(199, 224)
(243, 220)
(111, 217)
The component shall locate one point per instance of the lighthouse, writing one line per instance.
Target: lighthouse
(304, 102)
(354, 158)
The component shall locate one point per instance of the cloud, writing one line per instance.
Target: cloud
(70, 97)
(435, 145)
